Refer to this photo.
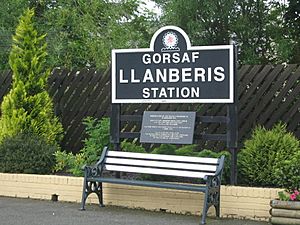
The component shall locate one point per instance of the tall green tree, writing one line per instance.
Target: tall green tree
(28, 108)
(292, 22)
(82, 33)
(258, 25)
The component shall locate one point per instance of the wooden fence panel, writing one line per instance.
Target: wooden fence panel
(267, 94)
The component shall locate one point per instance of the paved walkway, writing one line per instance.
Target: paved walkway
(15, 211)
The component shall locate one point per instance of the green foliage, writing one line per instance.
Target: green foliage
(270, 158)
(186, 150)
(28, 108)
(283, 196)
(287, 170)
(262, 34)
(292, 24)
(69, 163)
(166, 149)
(98, 138)
(27, 153)
(63, 160)
(98, 132)
(132, 147)
(289, 195)
(226, 169)
(81, 33)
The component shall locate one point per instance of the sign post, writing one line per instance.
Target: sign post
(173, 71)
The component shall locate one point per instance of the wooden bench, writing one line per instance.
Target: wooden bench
(208, 169)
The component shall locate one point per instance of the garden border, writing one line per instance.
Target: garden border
(236, 202)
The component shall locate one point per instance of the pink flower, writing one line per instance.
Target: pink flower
(293, 196)
(296, 192)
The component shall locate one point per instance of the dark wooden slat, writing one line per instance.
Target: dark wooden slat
(212, 119)
(251, 93)
(213, 137)
(6, 79)
(130, 135)
(137, 118)
(282, 113)
(287, 80)
(252, 111)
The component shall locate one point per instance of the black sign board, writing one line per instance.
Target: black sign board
(168, 127)
(173, 71)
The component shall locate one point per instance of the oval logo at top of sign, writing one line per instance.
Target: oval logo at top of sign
(170, 41)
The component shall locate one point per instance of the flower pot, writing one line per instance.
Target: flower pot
(285, 212)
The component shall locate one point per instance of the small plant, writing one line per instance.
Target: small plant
(27, 153)
(289, 195)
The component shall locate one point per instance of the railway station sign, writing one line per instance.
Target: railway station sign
(173, 71)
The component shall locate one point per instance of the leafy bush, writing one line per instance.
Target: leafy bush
(27, 153)
(270, 158)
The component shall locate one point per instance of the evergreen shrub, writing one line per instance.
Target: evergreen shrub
(270, 158)
(28, 107)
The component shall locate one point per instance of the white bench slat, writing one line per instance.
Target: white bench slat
(152, 163)
(179, 173)
(163, 157)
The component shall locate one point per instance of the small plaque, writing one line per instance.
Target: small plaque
(168, 127)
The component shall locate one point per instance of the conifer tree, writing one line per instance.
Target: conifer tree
(28, 108)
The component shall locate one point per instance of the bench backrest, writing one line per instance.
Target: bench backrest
(170, 165)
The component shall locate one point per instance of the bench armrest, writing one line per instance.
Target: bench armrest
(221, 166)
(102, 157)
(96, 170)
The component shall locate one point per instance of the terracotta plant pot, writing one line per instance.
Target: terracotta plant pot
(285, 212)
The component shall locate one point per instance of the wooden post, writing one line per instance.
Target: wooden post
(232, 125)
(115, 126)
(115, 123)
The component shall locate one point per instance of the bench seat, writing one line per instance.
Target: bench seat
(170, 185)
(208, 170)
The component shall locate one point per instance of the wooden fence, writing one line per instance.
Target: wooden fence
(267, 94)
